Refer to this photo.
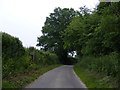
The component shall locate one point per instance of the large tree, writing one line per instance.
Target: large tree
(51, 39)
(80, 30)
(97, 33)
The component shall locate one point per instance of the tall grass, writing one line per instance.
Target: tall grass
(107, 65)
(99, 72)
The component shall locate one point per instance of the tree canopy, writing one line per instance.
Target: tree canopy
(86, 32)
(51, 39)
(95, 33)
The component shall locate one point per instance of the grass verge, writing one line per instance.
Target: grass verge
(23, 79)
(94, 80)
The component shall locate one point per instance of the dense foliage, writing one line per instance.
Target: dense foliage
(51, 40)
(11, 47)
(96, 38)
(90, 33)
(16, 58)
(107, 65)
(95, 34)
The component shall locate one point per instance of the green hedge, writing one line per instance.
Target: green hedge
(107, 65)
(17, 59)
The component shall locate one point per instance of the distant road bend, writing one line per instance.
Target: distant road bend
(61, 77)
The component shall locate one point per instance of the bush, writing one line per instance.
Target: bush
(42, 57)
(11, 47)
(107, 65)
(17, 59)
(71, 60)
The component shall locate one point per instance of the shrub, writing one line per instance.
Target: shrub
(17, 59)
(72, 60)
(107, 65)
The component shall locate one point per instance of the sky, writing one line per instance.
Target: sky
(24, 18)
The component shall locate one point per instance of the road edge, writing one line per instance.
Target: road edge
(27, 86)
(79, 79)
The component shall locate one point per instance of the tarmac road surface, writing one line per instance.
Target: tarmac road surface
(61, 77)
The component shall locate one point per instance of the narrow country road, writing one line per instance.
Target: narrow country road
(61, 77)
